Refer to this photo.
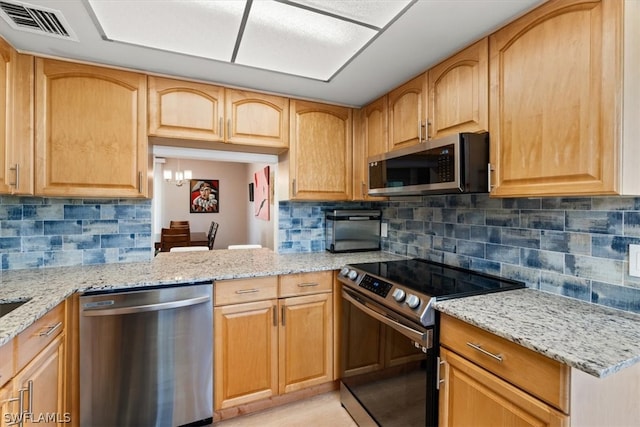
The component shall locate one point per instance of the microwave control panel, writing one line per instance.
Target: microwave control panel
(446, 167)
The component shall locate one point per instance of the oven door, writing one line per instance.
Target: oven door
(388, 366)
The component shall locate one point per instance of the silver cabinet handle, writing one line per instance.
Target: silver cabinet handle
(140, 182)
(220, 128)
(50, 330)
(419, 131)
(307, 285)
(30, 391)
(275, 315)
(489, 170)
(16, 184)
(147, 307)
(294, 187)
(439, 380)
(228, 128)
(282, 315)
(497, 357)
(246, 291)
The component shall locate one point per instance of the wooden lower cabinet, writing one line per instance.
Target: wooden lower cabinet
(486, 380)
(270, 346)
(246, 353)
(305, 341)
(44, 377)
(472, 396)
(36, 394)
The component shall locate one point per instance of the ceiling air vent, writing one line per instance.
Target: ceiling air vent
(39, 20)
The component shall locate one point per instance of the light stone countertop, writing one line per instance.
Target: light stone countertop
(588, 337)
(594, 339)
(47, 287)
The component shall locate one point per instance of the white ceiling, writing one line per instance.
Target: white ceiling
(308, 64)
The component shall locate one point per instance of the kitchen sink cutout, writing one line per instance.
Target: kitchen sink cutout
(8, 307)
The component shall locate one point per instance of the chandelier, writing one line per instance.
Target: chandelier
(179, 178)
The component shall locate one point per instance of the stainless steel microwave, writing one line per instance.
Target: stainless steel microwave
(457, 163)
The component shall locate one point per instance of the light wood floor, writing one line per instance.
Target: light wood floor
(323, 410)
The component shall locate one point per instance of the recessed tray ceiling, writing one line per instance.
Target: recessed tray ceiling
(312, 38)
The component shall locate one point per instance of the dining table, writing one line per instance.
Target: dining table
(196, 238)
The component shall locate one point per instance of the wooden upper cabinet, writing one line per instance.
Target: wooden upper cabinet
(181, 109)
(459, 92)
(16, 126)
(91, 133)
(370, 139)
(256, 119)
(320, 152)
(203, 112)
(375, 119)
(407, 113)
(556, 102)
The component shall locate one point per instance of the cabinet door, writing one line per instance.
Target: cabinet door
(257, 119)
(16, 128)
(189, 110)
(371, 138)
(306, 341)
(459, 92)
(91, 137)
(407, 111)
(8, 406)
(320, 152)
(246, 353)
(44, 376)
(471, 396)
(555, 92)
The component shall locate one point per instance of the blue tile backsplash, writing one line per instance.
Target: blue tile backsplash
(42, 232)
(577, 247)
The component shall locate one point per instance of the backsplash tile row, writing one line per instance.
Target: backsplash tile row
(43, 232)
(577, 247)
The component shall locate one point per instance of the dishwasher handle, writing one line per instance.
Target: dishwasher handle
(146, 307)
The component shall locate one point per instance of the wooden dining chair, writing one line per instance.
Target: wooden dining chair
(211, 235)
(179, 224)
(172, 237)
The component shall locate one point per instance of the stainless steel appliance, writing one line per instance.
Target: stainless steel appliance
(352, 230)
(457, 163)
(389, 337)
(146, 356)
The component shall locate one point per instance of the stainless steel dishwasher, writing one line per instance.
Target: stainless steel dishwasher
(146, 356)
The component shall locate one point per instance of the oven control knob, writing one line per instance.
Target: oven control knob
(413, 301)
(353, 275)
(344, 271)
(398, 295)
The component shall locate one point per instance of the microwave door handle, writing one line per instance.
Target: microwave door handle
(408, 332)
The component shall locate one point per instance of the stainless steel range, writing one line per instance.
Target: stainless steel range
(389, 341)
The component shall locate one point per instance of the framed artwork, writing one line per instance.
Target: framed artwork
(261, 193)
(204, 196)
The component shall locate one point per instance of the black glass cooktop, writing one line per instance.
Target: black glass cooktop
(437, 280)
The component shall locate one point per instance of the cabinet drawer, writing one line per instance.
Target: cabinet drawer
(6, 362)
(538, 375)
(37, 336)
(244, 290)
(306, 283)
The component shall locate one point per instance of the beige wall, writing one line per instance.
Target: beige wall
(261, 231)
(234, 200)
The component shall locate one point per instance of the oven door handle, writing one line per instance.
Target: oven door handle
(419, 336)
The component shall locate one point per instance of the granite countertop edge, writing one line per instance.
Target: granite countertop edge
(45, 288)
(556, 326)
